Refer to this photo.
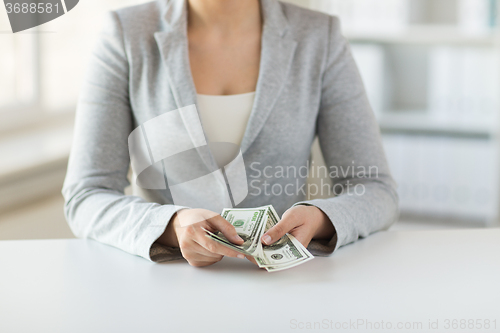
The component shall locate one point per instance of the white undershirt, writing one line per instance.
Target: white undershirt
(224, 118)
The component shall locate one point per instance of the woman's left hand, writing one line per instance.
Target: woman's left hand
(303, 222)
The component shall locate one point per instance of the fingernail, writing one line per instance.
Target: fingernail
(239, 238)
(241, 256)
(266, 239)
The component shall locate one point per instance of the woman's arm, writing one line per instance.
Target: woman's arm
(350, 140)
(95, 204)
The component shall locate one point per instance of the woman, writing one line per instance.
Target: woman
(265, 75)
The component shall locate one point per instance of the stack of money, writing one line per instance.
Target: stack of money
(251, 224)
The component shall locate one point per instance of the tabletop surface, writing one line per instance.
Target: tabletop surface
(409, 280)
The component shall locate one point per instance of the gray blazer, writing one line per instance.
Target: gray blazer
(308, 86)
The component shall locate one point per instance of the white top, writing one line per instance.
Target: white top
(224, 119)
(396, 276)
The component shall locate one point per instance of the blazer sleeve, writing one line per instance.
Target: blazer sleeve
(350, 141)
(95, 204)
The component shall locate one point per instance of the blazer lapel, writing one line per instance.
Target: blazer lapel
(173, 46)
(278, 48)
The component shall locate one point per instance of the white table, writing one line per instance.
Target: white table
(390, 278)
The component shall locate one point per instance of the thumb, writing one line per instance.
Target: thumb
(279, 230)
(227, 229)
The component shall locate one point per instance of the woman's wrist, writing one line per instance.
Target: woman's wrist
(169, 236)
(325, 228)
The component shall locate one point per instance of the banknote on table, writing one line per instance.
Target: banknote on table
(251, 224)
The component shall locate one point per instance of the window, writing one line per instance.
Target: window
(19, 70)
(41, 69)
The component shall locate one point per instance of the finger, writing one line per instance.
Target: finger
(201, 262)
(227, 229)
(280, 229)
(198, 250)
(198, 256)
(252, 259)
(216, 248)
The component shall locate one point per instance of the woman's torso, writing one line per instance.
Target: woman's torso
(282, 125)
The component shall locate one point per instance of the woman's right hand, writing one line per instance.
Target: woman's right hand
(185, 231)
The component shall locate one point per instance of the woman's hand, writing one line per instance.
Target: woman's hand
(185, 231)
(303, 222)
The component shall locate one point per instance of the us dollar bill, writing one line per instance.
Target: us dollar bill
(251, 224)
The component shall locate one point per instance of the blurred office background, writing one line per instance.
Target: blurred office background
(431, 69)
